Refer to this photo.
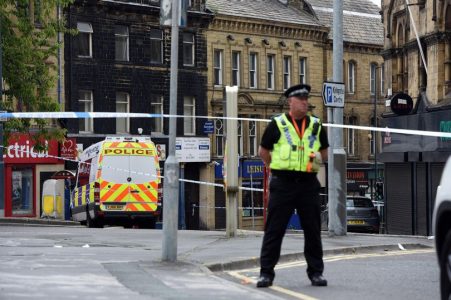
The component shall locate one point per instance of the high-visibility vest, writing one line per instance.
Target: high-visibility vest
(290, 152)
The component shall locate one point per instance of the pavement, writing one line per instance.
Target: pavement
(53, 259)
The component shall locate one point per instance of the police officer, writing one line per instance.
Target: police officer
(292, 146)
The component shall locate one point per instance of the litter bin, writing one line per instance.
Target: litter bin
(52, 202)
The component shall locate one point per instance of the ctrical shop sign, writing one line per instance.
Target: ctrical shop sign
(334, 94)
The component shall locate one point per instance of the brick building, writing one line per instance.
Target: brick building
(120, 62)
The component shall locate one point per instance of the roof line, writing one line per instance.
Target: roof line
(347, 12)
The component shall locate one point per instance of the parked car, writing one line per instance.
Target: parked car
(441, 228)
(362, 215)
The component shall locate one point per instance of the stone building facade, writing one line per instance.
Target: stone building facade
(263, 58)
(417, 52)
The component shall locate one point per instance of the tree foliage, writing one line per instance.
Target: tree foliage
(29, 40)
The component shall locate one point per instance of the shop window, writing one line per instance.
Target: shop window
(252, 200)
(22, 192)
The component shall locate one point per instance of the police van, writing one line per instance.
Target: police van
(118, 183)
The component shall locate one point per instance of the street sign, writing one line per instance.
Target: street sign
(208, 127)
(334, 94)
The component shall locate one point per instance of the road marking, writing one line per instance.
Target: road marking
(297, 295)
(279, 289)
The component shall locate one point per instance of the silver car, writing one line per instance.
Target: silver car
(441, 227)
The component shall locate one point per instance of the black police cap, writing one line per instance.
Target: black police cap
(299, 90)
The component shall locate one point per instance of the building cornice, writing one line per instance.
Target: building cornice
(256, 27)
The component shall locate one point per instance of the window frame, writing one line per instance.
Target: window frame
(157, 103)
(252, 138)
(117, 39)
(302, 70)
(85, 28)
(191, 46)
(373, 78)
(189, 120)
(88, 122)
(236, 68)
(156, 42)
(351, 77)
(286, 72)
(253, 70)
(127, 110)
(218, 67)
(270, 71)
(351, 136)
(219, 137)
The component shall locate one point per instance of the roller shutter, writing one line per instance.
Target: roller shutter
(399, 198)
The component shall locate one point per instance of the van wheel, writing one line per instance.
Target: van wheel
(445, 267)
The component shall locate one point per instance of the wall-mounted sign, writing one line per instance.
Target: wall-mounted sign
(192, 149)
(209, 127)
(20, 150)
(68, 148)
(401, 104)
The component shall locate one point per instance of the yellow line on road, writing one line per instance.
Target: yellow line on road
(247, 280)
(279, 289)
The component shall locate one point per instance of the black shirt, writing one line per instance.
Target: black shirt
(272, 134)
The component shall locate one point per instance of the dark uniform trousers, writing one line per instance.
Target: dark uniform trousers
(286, 194)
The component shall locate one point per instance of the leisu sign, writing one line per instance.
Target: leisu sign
(334, 94)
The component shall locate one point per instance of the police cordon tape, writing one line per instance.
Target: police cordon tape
(134, 172)
(93, 115)
(85, 115)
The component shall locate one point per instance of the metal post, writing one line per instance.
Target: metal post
(182, 224)
(231, 110)
(375, 135)
(171, 176)
(336, 161)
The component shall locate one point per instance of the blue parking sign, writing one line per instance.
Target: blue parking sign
(334, 94)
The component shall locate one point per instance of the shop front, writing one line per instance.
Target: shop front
(25, 170)
(251, 173)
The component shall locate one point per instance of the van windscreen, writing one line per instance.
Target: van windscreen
(118, 168)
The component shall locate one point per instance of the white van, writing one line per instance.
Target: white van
(118, 183)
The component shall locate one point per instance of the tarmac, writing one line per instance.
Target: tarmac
(127, 264)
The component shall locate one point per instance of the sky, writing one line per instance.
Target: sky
(378, 2)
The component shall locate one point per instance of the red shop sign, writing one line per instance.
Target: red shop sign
(20, 150)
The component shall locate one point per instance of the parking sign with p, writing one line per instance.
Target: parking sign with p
(334, 94)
